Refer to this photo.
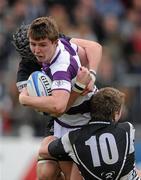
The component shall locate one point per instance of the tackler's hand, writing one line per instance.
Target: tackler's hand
(90, 86)
(83, 76)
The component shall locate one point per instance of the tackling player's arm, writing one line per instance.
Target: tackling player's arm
(26, 67)
(83, 78)
(92, 55)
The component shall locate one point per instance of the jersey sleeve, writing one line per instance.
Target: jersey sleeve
(56, 149)
(132, 138)
(64, 71)
(62, 78)
(26, 67)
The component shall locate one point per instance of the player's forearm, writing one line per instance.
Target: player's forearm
(39, 103)
(94, 54)
(73, 96)
(82, 80)
(47, 104)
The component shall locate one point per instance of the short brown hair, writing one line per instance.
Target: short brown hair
(105, 103)
(43, 27)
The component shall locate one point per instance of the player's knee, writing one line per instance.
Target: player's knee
(43, 152)
(47, 170)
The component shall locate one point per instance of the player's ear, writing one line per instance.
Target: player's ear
(118, 115)
(56, 42)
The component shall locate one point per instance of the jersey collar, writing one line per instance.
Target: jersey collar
(100, 122)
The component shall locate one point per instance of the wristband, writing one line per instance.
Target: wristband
(78, 87)
(93, 74)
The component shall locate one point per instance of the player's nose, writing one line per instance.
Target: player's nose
(36, 50)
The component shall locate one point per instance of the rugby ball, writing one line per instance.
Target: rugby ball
(39, 84)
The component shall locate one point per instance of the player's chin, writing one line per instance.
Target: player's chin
(40, 59)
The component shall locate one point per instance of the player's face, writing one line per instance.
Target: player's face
(43, 49)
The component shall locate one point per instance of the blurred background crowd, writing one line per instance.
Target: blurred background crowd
(115, 24)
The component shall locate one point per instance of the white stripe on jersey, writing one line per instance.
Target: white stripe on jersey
(75, 152)
(61, 84)
(61, 63)
(132, 175)
(67, 147)
(21, 84)
(132, 136)
(74, 46)
(125, 156)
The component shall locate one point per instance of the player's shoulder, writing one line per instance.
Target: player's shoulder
(63, 55)
(74, 135)
(126, 126)
(64, 36)
(64, 58)
(68, 48)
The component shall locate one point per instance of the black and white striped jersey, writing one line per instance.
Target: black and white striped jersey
(102, 151)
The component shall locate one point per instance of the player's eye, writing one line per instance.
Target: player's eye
(32, 44)
(43, 45)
